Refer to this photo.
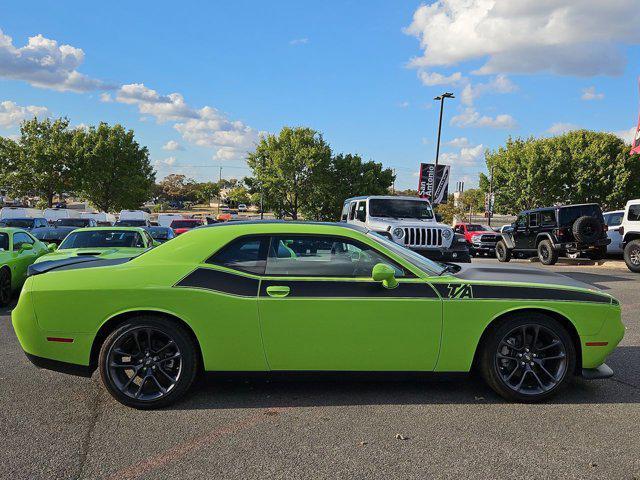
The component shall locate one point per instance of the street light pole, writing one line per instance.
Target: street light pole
(441, 98)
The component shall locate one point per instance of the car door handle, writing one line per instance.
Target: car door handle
(278, 291)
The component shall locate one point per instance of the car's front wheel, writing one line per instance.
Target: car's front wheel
(503, 254)
(527, 357)
(5, 287)
(632, 255)
(148, 362)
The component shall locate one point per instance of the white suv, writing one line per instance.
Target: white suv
(408, 221)
(630, 233)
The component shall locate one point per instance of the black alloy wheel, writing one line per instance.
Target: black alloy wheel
(148, 363)
(528, 358)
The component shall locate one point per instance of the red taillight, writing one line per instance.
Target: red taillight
(597, 344)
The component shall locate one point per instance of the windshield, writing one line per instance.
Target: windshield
(72, 222)
(428, 266)
(131, 223)
(102, 239)
(4, 242)
(476, 228)
(392, 208)
(159, 233)
(17, 222)
(185, 223)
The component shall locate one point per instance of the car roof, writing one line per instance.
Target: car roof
(119, 229)
(556, 207)
(384, 197)
(612, 211)
(12, 230)
(22, 218)
(287, 223)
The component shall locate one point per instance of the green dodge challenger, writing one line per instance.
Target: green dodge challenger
(288, 296)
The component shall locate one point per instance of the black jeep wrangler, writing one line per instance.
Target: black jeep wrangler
(554, 231)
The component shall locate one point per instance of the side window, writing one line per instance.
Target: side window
(345, 212)
(352, 211)
(247, 254)
(21, 238)
(361, 214)
(533, 219)
(323, 256)
(148, 238)
(634, 213)
(521, 221)
(547, 218)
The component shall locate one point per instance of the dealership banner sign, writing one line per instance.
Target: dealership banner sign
(434, 182)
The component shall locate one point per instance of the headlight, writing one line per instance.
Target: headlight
(446, 234)
(476, 239)
(398, 232)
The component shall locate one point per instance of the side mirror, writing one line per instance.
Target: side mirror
(438, 218)
(384, 273)
(52, 247)
(25, 247)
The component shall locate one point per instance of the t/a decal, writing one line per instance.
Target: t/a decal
(457, 290)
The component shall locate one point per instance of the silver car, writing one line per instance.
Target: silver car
(613, 220)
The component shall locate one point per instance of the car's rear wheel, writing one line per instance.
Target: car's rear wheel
(632, 255)
(528, 357)
(546, 253)
(5, 287)
(148, 362)
(503, 254)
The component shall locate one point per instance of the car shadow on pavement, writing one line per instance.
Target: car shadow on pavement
(595, 279)
(321, 390)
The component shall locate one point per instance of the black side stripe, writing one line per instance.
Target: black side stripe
(504, 292)
(218, 281)
(349, 289)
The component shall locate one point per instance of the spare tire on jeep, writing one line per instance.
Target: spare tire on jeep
(587, 229)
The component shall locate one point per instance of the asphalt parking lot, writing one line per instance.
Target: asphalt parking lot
(58, 426)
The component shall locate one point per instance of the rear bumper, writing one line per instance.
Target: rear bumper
(582, 247)
(600, 372)
(58, 366)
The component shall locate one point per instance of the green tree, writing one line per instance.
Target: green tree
(205, 191)
(115, 172)
(288, 166)
(42, 161)
(178, 187)
(239, 194)
(577, 167)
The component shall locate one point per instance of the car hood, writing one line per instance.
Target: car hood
(376, 223)
(538, 276)
(123, 252)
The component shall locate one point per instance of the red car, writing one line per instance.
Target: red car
(480, 238)
(185, 224)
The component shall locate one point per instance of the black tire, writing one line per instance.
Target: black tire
(503, 254)
(546, 253)
(5, 287)
(632, 256)
(168, 353)
(587, 229)
(597, 254)
(503, 369)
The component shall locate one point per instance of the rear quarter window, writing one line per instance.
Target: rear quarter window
(247, 254)
(634, 213)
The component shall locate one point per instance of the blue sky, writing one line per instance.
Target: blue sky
(362, 73)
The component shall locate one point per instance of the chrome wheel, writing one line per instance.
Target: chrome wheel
(634, 256)
(144, 363)
(531, 359)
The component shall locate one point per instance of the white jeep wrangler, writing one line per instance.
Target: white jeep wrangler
(408, 221)
(630, 233)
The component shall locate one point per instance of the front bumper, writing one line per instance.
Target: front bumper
(58, 366)
(455, 255)
(483, 247)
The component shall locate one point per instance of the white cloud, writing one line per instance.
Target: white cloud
(227, 153)
(466, 157)
(559, 128)
(106, 97)
(458, 142)
(12, 114)
(498, 84)
(471, 118)
(434, 78)
(566, 37)
(590, 93)
(44, 63)
(150, 102)
(167, 162)
(172, 145)
(403, 104)
(299, 41)
(627, 135)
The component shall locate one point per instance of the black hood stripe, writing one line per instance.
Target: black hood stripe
(509, 292)
(209, 279)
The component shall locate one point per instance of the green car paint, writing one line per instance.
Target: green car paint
(14, 258)
(105, 242)
(432, 320)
